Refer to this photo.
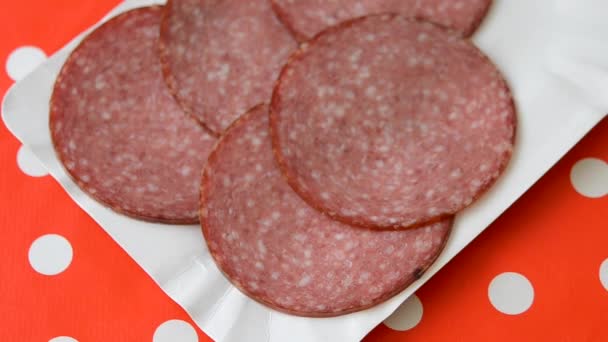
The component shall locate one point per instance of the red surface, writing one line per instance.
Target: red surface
(554, 236)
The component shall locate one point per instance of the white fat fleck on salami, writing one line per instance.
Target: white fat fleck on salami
(302, 262)
(439, 137)
(119, 132)
(305, 18)
(221, 58)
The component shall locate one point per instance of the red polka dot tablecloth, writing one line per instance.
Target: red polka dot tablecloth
(539, 273)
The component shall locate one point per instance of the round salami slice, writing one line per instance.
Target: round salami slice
(119, 133)
(287, 255)
(221, 58)
(306, 18)
(386, 122)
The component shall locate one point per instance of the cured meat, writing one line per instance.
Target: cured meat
(287, 255)
(307, 18)
(386, 122)
(221, 58)
(119, 133)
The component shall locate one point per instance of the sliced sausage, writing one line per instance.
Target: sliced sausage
(285, 254)
(118, 131)
(386, 122)
(221, 58)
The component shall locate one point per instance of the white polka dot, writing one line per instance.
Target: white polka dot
(589, 177)
(511, 293)
(50, 254)
(407, 316)
(23, 60)
(63, 339)
(604, 274)
(29, 163)
(175, 330)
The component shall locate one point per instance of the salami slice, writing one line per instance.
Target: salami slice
(119, 133)
(287, 255)
(386, 122)
(221, 58)
(307, 18)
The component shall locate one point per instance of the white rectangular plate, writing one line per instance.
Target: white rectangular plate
(554, 54)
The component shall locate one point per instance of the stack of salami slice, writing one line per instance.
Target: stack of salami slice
(325, 146)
